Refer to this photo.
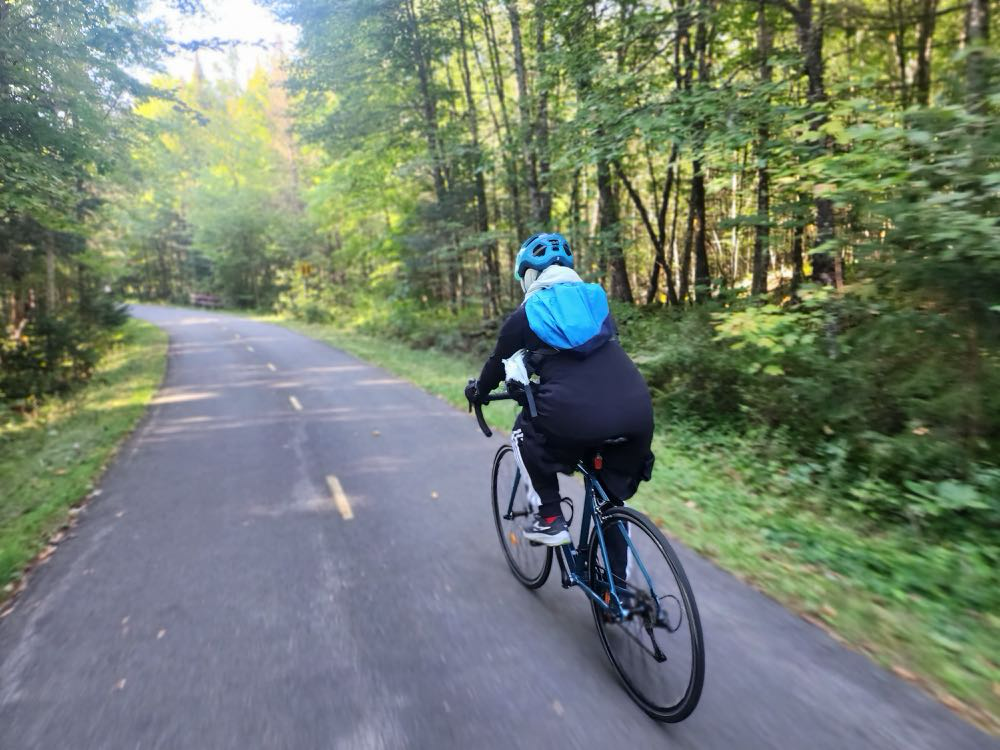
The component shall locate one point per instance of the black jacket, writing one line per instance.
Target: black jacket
(581, 399)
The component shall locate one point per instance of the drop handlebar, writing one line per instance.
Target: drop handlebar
(478, 407)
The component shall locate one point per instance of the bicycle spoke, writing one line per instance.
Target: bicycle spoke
(638, 641)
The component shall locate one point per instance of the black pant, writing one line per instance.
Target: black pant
(545, 452)
(545, 456)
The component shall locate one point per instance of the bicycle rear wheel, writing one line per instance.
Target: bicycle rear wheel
(529, 562)
(658, 649)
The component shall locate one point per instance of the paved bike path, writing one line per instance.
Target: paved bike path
(215, 595)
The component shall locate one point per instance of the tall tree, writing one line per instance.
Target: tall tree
(809, 31)
(925, 41)
(532, 111)
(489, 247)
(657, 235)
(702, 275)
(977, 35)
(762, 221)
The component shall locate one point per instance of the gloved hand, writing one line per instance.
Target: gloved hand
(472, 392)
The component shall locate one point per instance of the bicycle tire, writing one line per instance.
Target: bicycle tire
(509, 538)
(682, 708)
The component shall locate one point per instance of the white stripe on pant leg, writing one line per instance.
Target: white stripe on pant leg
(533, 498)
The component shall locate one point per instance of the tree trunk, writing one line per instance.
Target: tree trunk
(510, 158)
(809, 30)
(608, 230)
(542, 212)
(489, 250)
(428, 102)
(702, 275)
(797, 247)
(672, 295)
(164, 267)
(610, 234)
(898, 18)
(925, 39)
(762, 234)
(574, 211)
(527, 129)
(977, 36)
(658, 235)
(429, 112)
(685, 283)
(51, 299)
(655, 235)
(673, 180)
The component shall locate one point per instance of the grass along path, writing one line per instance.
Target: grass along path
(50, 460)
(709, 492)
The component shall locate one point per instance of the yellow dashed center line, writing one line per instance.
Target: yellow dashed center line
(271, 367)
(295, 403)
(249, 348)
(339, 497)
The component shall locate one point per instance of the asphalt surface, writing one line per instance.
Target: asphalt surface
(215, 596)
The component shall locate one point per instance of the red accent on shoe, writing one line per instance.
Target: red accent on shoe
(550, 519)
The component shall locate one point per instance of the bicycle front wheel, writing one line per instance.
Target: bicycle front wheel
(657, 648)
(529, 562)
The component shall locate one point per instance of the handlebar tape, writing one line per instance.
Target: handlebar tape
(482, 422)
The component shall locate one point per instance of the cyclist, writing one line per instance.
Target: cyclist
(589, 390)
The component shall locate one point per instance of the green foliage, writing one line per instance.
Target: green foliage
(50, 457)
(926, 187)
(384, 186)
(49, 356)
(301, 301)
(53, 354)
(213, 204)
(67, 82)
(411, 322)
(885, 409)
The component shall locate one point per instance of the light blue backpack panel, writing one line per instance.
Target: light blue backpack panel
(570, 316)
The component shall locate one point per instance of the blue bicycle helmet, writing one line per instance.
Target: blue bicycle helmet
(540, 251)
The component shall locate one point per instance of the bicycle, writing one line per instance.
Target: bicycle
(629, 610)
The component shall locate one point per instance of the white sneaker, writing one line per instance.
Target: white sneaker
(551, 531)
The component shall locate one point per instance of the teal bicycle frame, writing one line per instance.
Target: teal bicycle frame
(572, 559)
(614, 598)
